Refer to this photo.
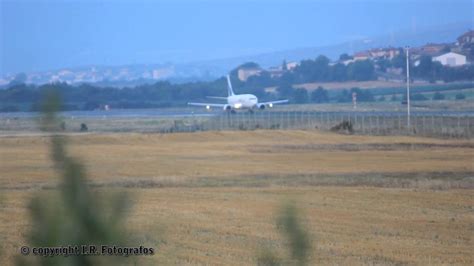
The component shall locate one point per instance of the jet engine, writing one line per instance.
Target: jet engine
(261, 106)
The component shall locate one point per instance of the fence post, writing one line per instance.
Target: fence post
(295, 119)
(309, 119)
(225, 121)
(443, 131)
(250, 123)
(368, 127)
(234, 120)
(298, 121)
(433, 126)
(372, 122)
(222, 121)
(399, 124)
(320, 115)
(288, 120)
(282, 118)
(265, 121)
(355, 120)
(301, 119)
(469, 126)
(422, 129)
(328, 120)
(245, 120)
(376, 120)
(458, 131)
(383, 123)
(463, 128)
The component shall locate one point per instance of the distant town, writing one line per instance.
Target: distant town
(454, 54)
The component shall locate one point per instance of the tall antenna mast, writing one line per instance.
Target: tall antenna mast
(408, 87)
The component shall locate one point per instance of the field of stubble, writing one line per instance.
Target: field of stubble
(211, 198)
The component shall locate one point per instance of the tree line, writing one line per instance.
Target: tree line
(21, 97)
(425, 68)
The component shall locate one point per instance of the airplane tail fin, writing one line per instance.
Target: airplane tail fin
(230, 91)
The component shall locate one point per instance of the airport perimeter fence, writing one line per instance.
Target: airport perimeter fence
(367, 123)
(436, 124)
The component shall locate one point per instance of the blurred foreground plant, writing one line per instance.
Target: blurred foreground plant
(298, 241)
(73, 214)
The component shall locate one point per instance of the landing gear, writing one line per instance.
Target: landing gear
(251, 111)
(233, 112)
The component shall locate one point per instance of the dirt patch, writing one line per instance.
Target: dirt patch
(345, 85)
(359, 147)
(421, 180)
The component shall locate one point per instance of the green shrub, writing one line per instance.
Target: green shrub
(460, 96)
(73, 215)
(297, 240)
(438, 96)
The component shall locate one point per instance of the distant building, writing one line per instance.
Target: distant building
(279, 71)
(55, 78)
(375, 53)
(146, 75)
(291, 65)
(388, 53)
(451, 59)
(276, 72)
(157, 73)
(364, 55)
(245, 73)
(466, 38)
(432, 49)
(347, 62)
(161, 73)
(395, 71)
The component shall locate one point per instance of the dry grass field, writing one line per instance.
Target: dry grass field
(211, 197)
(347, 85)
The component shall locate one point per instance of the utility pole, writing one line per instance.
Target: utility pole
(354, 100)
(408, 87)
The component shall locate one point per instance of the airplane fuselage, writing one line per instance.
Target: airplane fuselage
(242, 101)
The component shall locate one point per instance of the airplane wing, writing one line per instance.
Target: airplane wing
(274, 102)
(208, 104)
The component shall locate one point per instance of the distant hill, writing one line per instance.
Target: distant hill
(130, 75)
(435, 34)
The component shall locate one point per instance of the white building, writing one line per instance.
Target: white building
(291, 65)
(451, 59)
(245, 73)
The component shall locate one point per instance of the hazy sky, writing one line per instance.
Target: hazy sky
(51, 34)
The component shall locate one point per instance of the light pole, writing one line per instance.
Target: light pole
(408, 87)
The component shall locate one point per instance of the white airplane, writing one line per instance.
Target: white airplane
(238, 101)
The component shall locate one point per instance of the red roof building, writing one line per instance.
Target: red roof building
(466, 38)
